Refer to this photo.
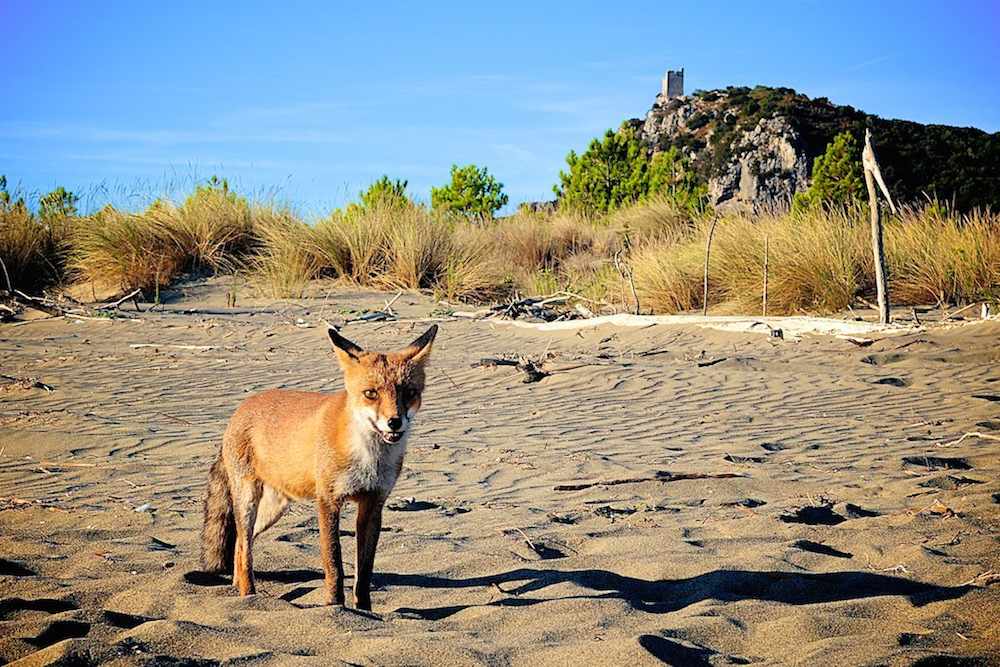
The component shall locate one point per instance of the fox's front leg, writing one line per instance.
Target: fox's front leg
(329, 541)
(368, 529)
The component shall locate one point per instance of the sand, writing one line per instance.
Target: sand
(670, 494)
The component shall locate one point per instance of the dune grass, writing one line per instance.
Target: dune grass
(33, 252)
(286, 258)
(819, 261)
(935, 257)
(126, 250)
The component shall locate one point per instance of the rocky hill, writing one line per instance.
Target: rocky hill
(754, 148)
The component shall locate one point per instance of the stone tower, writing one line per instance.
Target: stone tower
(673, 84)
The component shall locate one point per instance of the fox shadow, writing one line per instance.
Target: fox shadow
(664, 596)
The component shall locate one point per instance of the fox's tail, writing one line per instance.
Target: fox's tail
(218, 532)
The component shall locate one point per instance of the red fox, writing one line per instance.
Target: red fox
(326, 448)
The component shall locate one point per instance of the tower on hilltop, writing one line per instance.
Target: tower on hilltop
(673, 84)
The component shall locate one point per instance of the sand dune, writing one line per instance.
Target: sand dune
(673, 494)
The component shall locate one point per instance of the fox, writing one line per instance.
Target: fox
(282, 446)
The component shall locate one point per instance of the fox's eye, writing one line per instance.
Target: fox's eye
(370, 394)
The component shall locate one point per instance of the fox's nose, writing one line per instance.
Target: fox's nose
(395, 422)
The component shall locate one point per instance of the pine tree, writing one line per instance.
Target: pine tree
(838, 179)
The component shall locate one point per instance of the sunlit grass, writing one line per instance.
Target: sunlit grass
(818, 262)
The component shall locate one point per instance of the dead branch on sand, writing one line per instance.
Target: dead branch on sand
(971, 434)
(132, 296)
(531, 370)
(663, 476)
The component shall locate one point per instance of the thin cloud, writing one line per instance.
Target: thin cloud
(869, 63)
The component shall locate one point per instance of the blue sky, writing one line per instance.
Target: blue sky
(309, 102)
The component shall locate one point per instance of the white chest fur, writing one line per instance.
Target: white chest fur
(374, 464)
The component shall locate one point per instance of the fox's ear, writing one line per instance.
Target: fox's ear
(347, 352)
(419, 350)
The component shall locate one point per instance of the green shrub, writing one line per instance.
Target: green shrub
(473, 192)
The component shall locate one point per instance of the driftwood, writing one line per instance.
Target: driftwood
(872, 175)
(708, 251)
(38, 303)
(531, 370)
(131, 296)
(958, 312)
(550, 308)
(625, 269)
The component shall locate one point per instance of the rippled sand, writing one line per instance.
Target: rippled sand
(671, 494)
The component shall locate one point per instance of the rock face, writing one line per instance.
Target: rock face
(755, 169)
(769, 167)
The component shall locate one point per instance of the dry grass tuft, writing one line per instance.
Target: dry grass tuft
(286, 259)
(668, 276)
(127, 250)
(353, 244)
(938, 257)
(472, 270)
(654, 220)
(33, 251)
(213, 227)
(815, 261)
(416, 249)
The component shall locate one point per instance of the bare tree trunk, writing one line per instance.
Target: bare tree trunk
(872, 175)
(708, 251)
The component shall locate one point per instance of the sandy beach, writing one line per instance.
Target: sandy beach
(667, 494)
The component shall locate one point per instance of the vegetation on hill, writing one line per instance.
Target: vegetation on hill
(960, 165)
(617, 170)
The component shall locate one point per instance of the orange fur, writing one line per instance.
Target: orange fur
(283, 446)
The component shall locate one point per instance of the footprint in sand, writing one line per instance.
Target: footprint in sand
(882, 359)
(949, 482)
(857, 512)
(125, 621)
(9, 568)
(743, 459)
(56, 631)
(10, 607)
(948, 462)
(814, 515)
(822, 549)
(892, 382)
(749, 503)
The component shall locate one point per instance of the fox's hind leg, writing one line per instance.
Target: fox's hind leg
(272, 506)
(246, 492)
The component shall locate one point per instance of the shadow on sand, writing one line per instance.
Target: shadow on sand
(663, 596)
